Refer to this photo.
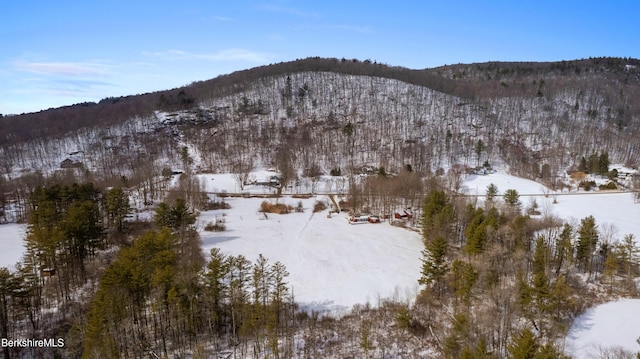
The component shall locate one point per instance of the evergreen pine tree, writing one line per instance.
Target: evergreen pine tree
(476, 232)
(583, 167)
(178, 216)
(491, 192)
(524, 345)
(238, 277)
(512, 198)
(480, 147)
(280, 291)
(629, 253)
(217, 289)
(587, 242)
(540, 256)
(438, 216)
(463, 278)
(434, 265)
(455, 342)
(593, 163)
(564, 248)
(603, 163)
(83, 233)
(479, 351)
(560, 297)
(117, 206)
(548, 351)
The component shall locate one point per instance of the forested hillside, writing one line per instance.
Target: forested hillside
(351, 113)
(110, 193)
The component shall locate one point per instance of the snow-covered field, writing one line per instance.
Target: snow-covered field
(226, 182)
(608, 208)
(613, 324)
(333, 265)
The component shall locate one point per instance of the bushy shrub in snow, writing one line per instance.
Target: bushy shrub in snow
(277, 208)
(319, 206)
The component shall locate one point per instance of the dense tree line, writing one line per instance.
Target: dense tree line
(67, 230)
(509, 285)
(152, 293)
(159, 296)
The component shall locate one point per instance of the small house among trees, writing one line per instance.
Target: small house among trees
(47, 272)
(69, 163)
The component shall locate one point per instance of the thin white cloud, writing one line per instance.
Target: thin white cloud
(42, 80)
(242, 54)
(64, 87)
(73, 69)
(288, 11)
(222, 18)
(358, 29)
(222, 55)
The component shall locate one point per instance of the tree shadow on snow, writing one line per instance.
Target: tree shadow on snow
(580, 327)
(214, 240)
(324, 308)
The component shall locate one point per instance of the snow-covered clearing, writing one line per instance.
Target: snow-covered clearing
(477, 184)
(11, 243)
(227, 182)
(333, 265)
(608, 208)
(613, 324)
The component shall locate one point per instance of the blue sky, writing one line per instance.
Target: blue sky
(56, 53)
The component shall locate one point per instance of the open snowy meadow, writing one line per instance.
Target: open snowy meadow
(333, 265)
(610, 208)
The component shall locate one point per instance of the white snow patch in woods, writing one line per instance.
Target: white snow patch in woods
(11, 243)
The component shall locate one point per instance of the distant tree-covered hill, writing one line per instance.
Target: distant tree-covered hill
(524, 114)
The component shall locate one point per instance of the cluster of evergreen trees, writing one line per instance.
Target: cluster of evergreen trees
(157, 293)
(596, 163)
(508, 283)
(67, 227)
(158, 296)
